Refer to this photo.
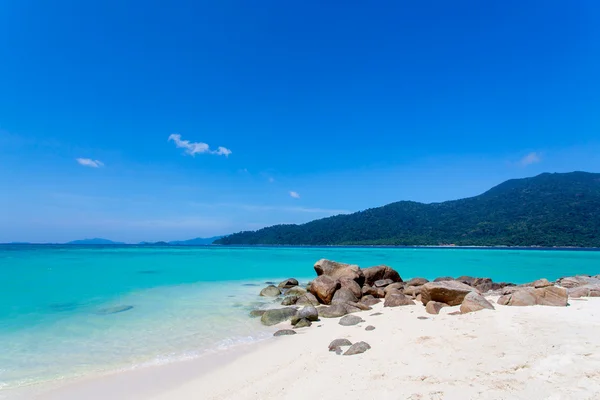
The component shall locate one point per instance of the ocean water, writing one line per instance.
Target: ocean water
(57, 302)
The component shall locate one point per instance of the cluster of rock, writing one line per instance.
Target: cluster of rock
(342, 289)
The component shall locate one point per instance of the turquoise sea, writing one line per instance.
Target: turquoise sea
(181, 302)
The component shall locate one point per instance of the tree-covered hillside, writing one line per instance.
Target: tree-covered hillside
(546, 210)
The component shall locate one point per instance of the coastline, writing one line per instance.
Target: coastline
(520, 352)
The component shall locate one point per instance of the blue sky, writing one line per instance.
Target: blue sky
(146, 120)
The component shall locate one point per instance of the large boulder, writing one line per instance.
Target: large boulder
(394, 286)
(270, 291)
(579, 280)
(351, 285)
(449, 292)
(336, 270)
(288, 283)
(309, 312)
(307, 299)
(474, 302)
(416, 282)
(529, 296)
(333, 311)
(295, 291)
(434, 307)
(379, 272)
(344, 295)
(324, 287)
(276, 316)
(584, 291)
(396, 299)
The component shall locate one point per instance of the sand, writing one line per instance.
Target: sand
(510, 353)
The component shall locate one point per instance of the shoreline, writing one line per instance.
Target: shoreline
(529, 351)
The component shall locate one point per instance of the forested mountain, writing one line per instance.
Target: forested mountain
(546, 210)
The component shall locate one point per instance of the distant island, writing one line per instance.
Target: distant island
(189, 242)
(559, 209)
(93, 241)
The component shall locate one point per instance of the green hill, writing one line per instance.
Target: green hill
(546, 210)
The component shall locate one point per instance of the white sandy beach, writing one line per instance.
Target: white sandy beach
(533, 352)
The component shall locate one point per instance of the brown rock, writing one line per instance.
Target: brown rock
(295, 291)
(284, 332)
(529, 296)
(449, 292)
(584, 291)
(333, 311)
(382, 283)
(337, 343)
(324, 287)
(394, 286)
(416, 282)
(579, 280)
(375, 292)
(395, 299)
(434, 307)
(419, 298)
(357, 348)
(336, 270)
(542, 283)
(376, 273)
(467, 280)
(369, 300)
(413, 290)
(474, 302)
(359, 305)
(343, 295)
(443, 279)
(351, 285)
(288, 283)
(307, 299)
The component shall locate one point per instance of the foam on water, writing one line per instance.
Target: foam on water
(56, 302)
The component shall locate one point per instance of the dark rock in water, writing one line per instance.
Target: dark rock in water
(270, 291)
(257, 313)
(303, 323)
(324, 287)
(269, 283)
(336, 270)
(357, 348)
(378, 272)
(396, 299)
(416, 282)
(350, 320)
(333, 311)
(63, 307)
(288, 283)
(307, 299)
(289, 300)
(443, 279)
(284, 332)
(337, 343)
(295, 291)
(343, 295)
(114, 310)
(273, 317)
(370, 328)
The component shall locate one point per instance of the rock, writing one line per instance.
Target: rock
(275, 316)
(295, 291)
(416, 282)
(419, 298)
(395, 299)
(423, 318)
(351, 285)
(579, 280)
(376, 314)
(337, 343)
(434, 307)
(413, 290)
(336, 270)
(289, 300)
(449, 292)
(376, 273)
(474, 302)
(343, 295)
(284, 332)
(360, 306)
(303, 323)
(114, 310)
(309, 312)
(382, 283)
(542, 283)
(394, 286)
(256, 313)
(443, 279)
(584, 291)
(375, 292)
(483, 284)
(307, 299)
(288, 283)
(270, 291)
(349, 320)
(333, 311)
(357, 348)
(370, 328)
(467, 280)
(324, 287)
(529, 296)
(369, 300)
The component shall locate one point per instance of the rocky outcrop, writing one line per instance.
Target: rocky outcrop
(288, 283)
(357, 348)
(276, 316)
(323, 288)
(349, 320)
(270, 291)
(379, 272)
(434, 307)
(529, 296)
(336, 270)
(449, 292)
(473, 301)
(396, 299)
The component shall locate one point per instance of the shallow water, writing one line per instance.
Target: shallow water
(66, 311)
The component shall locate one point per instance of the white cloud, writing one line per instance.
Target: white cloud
(531, 158)
(88, 162)
(295, 195)
(193, 148)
